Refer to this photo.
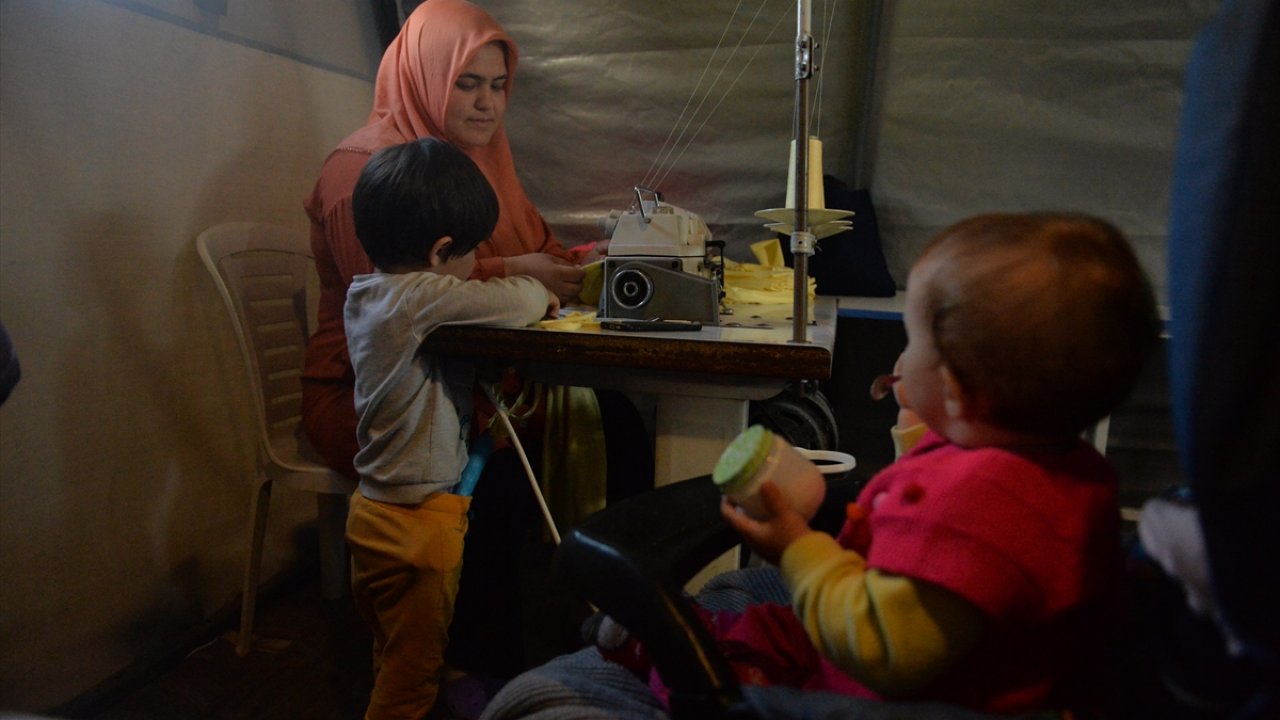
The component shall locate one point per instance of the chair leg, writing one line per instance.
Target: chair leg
(331, 523)
(253, 564)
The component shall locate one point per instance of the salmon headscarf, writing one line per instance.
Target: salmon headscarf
(417, 74)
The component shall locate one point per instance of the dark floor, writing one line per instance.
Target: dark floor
(311, 659)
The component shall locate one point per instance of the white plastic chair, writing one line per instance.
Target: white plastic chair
(263, 273)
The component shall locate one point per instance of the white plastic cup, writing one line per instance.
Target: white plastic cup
(757, 455)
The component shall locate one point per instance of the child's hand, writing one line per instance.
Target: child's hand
(769, 537)
(553, 306)
(558, 275)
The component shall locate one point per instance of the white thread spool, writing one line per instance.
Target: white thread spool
(817, 196)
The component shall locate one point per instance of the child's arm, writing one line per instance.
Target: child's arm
(893, 633)
(512, 302)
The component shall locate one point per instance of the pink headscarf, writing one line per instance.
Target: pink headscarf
(417, 74)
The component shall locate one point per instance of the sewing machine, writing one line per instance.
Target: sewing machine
(661, 264)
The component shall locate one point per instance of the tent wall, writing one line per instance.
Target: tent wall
(704, 91)
(1011, 106)
(126, 450)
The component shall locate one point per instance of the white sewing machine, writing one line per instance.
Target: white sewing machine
(661, 264)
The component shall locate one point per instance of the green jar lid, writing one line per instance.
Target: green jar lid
(743, 457)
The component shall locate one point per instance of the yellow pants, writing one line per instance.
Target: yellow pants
(405, 565)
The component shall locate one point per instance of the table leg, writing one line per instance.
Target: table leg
(690, 433)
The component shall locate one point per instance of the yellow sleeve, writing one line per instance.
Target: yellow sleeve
(905, 438)
(894, 634)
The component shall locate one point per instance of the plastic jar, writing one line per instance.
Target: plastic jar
(758, 454)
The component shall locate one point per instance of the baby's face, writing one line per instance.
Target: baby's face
(922, 387)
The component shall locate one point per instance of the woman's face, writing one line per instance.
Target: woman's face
(478, 100)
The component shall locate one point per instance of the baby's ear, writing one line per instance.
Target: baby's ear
(956, 401)
(434, 256)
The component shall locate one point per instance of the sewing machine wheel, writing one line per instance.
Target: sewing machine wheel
(802, 415)
(631, 288)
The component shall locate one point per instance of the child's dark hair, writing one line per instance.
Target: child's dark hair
(408, 196)
(1047, 316)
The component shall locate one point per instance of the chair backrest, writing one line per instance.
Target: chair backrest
(263, 274)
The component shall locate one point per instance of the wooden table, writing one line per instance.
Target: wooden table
(702, 381)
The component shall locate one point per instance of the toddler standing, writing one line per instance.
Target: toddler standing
(420, 210)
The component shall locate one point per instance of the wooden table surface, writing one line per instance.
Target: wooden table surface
(755, 341)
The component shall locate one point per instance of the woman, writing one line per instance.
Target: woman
(447, 74)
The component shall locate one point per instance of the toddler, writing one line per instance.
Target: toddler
(420, 210)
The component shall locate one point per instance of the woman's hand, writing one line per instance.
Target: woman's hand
(558, 275)
(598, 251)
(769, 537)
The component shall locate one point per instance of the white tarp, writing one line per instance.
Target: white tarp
(1005, 106)
(602, 85)
(1008, 105)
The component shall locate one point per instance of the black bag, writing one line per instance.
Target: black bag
(851, 262)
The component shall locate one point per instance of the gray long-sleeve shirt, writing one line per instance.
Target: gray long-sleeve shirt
(413, 408)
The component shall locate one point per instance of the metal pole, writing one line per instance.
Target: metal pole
(802, 241)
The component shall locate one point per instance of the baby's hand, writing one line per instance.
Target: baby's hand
(772, 535)
(553, 306)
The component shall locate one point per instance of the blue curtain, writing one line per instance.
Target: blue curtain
(1224, 255)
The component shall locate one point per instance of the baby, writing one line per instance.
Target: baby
(980, 568)
(977, 569)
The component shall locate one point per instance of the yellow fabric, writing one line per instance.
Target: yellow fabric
(906, 438)
(894, 634)
(592, 283)
(574, 465)
(769, 253)
(405, 564)
(766, 283)
(574, 320)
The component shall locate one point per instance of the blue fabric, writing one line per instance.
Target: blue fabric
(476, 461)
(784, 703)
(584, 686)
(1224, 296)
(581, 685)
(10, 370)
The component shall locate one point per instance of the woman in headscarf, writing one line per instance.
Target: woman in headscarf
(448, 74)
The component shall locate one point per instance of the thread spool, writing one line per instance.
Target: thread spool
(817, 196)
